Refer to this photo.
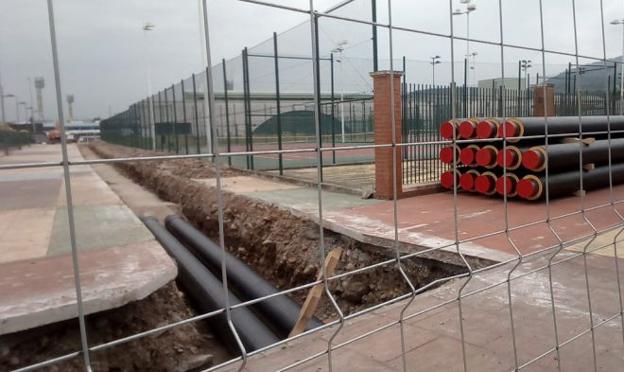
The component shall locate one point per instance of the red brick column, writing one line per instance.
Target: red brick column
(383, 132)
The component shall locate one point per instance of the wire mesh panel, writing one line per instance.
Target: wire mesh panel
(513, 266)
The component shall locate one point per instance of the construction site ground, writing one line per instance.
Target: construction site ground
(433, 337)
(271, 226)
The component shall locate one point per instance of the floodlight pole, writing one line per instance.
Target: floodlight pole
(148, 27)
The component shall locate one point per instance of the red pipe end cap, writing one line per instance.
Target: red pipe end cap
(447, 179)
(486, 129)
(446, 154)
(505, 184)
(528, 188)
(467, 181)
(506, 158)
(485, 183)
(466, 129)
(485, 157)
(447, 130)
(467, 155)
(532, 159)
(508, 129)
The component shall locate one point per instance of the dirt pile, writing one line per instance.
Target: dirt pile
(179, 349)
(280, 246)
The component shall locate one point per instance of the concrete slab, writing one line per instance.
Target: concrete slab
(25, 233)
(99, 226)
(119, 259)
(40, 193)
(41, 291)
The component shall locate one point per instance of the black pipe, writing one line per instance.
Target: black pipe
(534, 126)
(532, 187)
(207, 292)
(566, 155)
(281, 311)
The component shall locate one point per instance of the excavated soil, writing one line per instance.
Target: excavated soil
(282, 247)
(186, 347)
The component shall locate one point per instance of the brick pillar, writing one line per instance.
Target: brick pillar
(538, 100)
(383, 132)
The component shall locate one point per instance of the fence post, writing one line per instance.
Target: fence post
(227, 112)
(184, 120)
(196, 115)
(175, 119)
(167, 120)
(318, 95)
(247, 110)
(277, 103)
(383, 132)
(333, 108)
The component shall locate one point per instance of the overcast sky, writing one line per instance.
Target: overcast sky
(103, 50)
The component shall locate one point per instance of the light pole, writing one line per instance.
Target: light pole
(470, 7)
(620, 21)
(473, 55)
(525, 65)
(340, 49)
(146, 28)
(434, 61)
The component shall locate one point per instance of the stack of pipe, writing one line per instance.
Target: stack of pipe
(496, 156)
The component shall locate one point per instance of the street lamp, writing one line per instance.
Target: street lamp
(146, 28)
(470, 7)
(434, 61)
(473, 55)
(340, 47)
(620, 21)
(525, 64)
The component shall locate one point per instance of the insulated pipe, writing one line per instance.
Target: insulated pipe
(281, 311)
(486, 156)
(488, 128)
(510, 158)
(486, 183)
(207, 292)
(507, 183)
(467, 154)
(531, 187)
(468, 128)
(566, 155)
(449, 129)
(449, 178)
(467, 180)
(446, 154)
(533, 126)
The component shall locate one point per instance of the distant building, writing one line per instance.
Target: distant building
(508, 83)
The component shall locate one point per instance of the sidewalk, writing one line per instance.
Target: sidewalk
(428, 221)
(119, 259)
(432, 330)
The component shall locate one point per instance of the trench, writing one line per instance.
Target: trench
(281, 247)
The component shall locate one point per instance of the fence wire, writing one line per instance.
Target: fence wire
(200, 116)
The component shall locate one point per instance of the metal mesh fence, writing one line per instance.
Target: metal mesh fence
(244, 121)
